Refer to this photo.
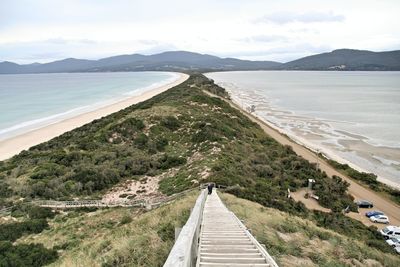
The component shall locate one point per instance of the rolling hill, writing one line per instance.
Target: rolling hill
(169, 61)
(341, 59)
(347, 59)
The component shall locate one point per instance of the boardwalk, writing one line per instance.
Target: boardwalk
(225, 241)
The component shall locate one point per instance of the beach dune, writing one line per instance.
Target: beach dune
(14, 145)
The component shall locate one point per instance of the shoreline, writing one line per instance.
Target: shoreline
(357, 190)
(326, 152)
(14, 145)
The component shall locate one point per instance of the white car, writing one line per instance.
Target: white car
(394, 242)
(379, 219)
(397, 249)
(390, 231)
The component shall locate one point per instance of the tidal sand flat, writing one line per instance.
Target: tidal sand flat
(351, 117)
(38, 107)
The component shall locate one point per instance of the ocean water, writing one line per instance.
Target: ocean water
(31, 101)
(352, 117)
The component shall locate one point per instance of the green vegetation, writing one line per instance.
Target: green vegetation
(13, 231)
(33, 222)
(368, 179)
(115, 237)
(295, 241)
(22, 255)
(189, 138)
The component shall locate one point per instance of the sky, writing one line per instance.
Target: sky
(48, 30)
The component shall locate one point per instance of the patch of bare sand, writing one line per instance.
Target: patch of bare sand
(310, 202)
(145, 188)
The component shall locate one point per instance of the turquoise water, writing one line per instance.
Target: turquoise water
(353, 117)
(30, 101)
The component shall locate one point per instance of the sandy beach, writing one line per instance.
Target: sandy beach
(14, 145)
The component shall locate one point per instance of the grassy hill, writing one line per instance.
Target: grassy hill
(182, 137)
(295, 241)
(132, 237)
(114, 237)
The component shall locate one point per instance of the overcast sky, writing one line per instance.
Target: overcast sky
(46, 30)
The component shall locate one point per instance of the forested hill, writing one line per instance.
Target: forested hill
(342, 59)
(168, 61)
(347, 59)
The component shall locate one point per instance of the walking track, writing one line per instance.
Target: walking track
(225, 241)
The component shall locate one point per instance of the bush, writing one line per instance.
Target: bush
(161, 144)
(32, 211)
(166, 232)
(171, 123)
(5, 190)
(47, 170)
(22, 255)
(13, 231)
(141, 141)
(125, 219)
(168, 161)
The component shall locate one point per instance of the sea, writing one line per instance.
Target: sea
(32, 101)
(352, 117)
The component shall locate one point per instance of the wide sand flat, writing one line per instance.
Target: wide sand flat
(14, 145)
(358, 191)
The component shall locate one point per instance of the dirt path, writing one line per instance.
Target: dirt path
(359, 192)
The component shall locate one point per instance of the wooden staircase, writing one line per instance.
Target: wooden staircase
(225, 241)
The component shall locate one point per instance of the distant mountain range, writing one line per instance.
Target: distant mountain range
(342, 59)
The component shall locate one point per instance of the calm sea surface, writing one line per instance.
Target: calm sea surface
(30, 101)
(353, 117)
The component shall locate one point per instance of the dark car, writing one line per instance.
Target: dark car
(374, 213)
(364, 204)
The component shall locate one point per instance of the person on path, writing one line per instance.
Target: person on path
(210, 188)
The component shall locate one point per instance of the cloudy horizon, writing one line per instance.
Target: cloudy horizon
(45, 30)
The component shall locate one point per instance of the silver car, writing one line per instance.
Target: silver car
(394, 241)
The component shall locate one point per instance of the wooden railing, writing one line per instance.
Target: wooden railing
(184, 251)
(97, 203)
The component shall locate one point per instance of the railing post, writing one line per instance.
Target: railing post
(177, 232)
(184, 251)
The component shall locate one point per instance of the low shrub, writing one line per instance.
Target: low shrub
(13, 231)
(22, 255)
(125, 219)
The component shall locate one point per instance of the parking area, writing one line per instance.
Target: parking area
(313, 204)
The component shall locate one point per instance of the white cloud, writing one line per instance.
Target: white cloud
(44, 30)
(263, 38)
(307, 17)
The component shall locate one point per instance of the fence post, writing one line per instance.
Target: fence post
(177, 232)
(148, 205)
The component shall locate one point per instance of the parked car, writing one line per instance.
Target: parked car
(390, 231)
(364, 204)
(394, 241)
(374, 213)
(379, 219)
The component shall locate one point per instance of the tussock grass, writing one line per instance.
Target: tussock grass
(107, 238)
(294, 241)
